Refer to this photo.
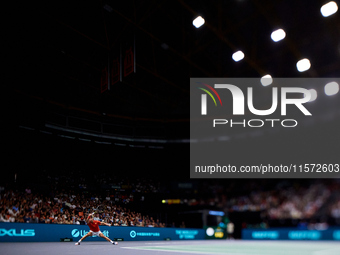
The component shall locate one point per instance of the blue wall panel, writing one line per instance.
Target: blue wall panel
(291, 234)
(23, 232)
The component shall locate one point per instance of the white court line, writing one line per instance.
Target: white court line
(157, 243)
(194, 252)
(182, 242)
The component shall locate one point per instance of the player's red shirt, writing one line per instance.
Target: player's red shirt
(94, 225)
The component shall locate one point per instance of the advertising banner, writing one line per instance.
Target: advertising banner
(23, 232)
(291, 234)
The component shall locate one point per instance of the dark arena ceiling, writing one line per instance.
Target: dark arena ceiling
(58, 49)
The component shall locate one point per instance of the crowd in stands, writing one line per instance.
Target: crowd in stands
(68, 208)
(335, 210)
(69, 201)
(293, 202)
(300, 203)
(281, 200)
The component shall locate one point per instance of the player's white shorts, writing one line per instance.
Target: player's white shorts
(95, 233)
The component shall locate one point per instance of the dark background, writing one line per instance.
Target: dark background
(55, 53)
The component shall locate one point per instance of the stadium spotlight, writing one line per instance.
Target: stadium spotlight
(238, 55)
(278, 35)
(331, 88)
(199, 21)
(266, 80)
(314, 95)
(303, 65)
(329, 9)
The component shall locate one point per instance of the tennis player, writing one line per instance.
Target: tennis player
(94, 230)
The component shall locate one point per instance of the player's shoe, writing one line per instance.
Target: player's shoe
(77, 243)
(115, 243)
